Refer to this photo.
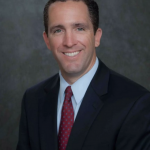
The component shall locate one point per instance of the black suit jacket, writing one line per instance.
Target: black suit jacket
(114, 115)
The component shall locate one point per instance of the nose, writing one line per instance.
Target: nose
(69, 39)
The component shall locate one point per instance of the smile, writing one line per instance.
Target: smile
(72, 54)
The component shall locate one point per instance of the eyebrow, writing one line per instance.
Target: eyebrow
(80, 25)
(73, 25)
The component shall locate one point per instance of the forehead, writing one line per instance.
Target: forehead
(69, 10)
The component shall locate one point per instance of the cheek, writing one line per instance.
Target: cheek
(86, 40)
(54, 44)
(83, 40)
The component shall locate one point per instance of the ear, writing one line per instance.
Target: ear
(98, 36)
(45, 37)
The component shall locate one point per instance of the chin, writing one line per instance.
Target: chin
(72, 71)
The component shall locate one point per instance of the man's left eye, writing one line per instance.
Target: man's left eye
(80, 29)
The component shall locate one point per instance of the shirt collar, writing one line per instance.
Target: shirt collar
(80, 86)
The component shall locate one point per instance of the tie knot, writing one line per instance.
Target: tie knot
(68, 91)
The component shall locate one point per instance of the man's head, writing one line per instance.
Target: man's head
(92, 8)
(71, 38)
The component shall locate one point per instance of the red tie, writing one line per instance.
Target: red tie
(67, 120)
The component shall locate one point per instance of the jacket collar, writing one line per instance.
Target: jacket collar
(91, 105)
(48, 115)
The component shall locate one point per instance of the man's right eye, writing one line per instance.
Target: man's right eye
(57, 31)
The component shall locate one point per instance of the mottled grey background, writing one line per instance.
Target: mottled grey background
(25, 60)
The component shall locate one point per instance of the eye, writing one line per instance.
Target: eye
(57, 31)
(80, 29)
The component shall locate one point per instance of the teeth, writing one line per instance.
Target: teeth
(71, 54)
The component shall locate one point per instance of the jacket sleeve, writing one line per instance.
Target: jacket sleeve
(23, 142)
(135, 131)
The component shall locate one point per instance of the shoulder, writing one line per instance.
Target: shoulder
(39, 89)
(124, 87)
(115, 84)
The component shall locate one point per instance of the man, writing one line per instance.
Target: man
(86, 106)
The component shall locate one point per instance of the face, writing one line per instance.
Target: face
(71, 38)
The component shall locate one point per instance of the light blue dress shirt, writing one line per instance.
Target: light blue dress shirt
(78, 88)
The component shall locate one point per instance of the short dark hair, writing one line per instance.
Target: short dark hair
(92, 8)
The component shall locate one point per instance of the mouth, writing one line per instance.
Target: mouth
(72, 54)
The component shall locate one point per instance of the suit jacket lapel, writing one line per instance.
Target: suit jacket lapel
(90, 107)
(48, 115)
